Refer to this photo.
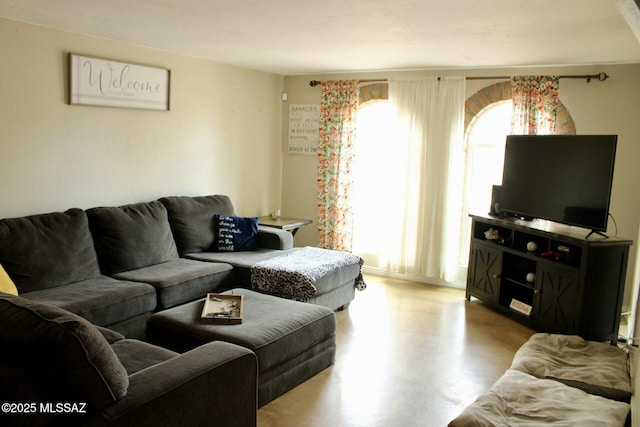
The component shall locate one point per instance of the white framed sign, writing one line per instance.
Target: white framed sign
(102, 82)
(304, 128)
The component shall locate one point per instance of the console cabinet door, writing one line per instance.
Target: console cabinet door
(556, 306)
(485, 265)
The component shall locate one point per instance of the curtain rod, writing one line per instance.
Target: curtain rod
(600, 77)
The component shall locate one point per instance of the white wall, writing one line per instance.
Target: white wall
(605, 107)
(221, 136)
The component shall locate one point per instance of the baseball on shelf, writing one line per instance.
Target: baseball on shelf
(532, 246)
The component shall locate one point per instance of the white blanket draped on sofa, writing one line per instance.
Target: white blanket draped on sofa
(294, 274)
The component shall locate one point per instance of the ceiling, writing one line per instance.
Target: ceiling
(292, 37)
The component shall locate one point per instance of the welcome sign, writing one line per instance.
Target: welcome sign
(102, 82)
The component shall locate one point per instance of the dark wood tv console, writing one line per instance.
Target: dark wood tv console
(548, 275)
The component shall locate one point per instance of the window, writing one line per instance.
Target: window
(380, 176)
(375, 180)
(484, 155)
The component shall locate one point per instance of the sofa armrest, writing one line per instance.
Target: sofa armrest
(110, 335)
(214, 384)
(274, 238)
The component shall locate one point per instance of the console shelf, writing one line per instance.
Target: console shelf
(548, 275)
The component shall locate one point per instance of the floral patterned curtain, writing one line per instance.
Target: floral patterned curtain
(535, 103)
(338, 109)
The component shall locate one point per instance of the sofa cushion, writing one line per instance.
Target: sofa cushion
(244, 260)
(180, 280)
(191, 220)
(132, 236)
(235, 234)
(48, 250)
(241, 261)
(64, 357)
(102, 300)
(6, 284)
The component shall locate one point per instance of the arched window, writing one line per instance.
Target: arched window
(487, 121)
(376, 177)
(484, 156)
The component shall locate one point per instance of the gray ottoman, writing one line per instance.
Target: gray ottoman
(292, 340)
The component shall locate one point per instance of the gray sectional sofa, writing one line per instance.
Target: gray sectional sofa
(89, 281)
(115, 266)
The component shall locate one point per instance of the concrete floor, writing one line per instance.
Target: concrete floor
(408, 354)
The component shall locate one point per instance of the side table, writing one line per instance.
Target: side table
(283, 223)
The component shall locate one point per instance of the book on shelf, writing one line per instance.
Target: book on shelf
(520, 307)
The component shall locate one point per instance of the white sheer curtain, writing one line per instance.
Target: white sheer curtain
(430, 131)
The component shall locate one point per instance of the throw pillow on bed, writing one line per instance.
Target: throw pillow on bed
(236, 233)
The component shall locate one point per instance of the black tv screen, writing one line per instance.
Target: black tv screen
(561, 178)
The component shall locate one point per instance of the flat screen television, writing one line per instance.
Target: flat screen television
(561, 178)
